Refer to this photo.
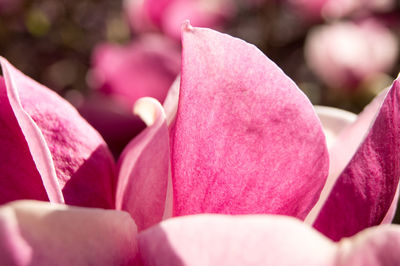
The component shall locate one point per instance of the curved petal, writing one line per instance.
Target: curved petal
(66, 150)
(144, 168)
(334, 121)
(234, 240)
(246, 139)
(40, 233)
(364, 191)
(378, 246)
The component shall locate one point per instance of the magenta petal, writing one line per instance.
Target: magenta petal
(39, 233)
(66, 150)
(364, 192)
(234, 240)
(144, 168)
(246, 139)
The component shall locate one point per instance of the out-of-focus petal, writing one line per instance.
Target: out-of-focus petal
(114, 121)
(377, 246)
(67, 152)
(364, 191)
(144, 168)
(234, 240)
(144, 68)
(262, 240)
(246, 139)
(167, 15)
(40, 233)
(202, 13)
(344, 54)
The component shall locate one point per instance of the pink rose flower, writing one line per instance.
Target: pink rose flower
(241, 139)
(344, 54)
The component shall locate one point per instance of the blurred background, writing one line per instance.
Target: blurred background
(102, 55)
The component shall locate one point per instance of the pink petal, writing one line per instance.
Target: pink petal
(39, 233)
(234, 240)
(144, 168)
(246, 139)
(68, 153)
(334, 121)
(372, 247)
(144, 68)
(364, 192)
(114, 121)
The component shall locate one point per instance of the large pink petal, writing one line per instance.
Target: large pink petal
(66, 150)
(16, 160)
(364, 191)
(39, 233)
(234, 240)
(144, 168)
(246, 139)
(262, 240)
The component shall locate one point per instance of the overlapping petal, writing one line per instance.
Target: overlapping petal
(40, 233)
(144, 168)
(261, 240)
(246, 139)
(363, 193)
(71, 158)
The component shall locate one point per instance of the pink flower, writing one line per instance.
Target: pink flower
(344, 54)
(167, 15)
(243, 139)
(146, 67)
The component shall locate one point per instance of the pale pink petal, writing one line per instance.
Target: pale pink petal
(40, 233)
(334, 121)
(344, 54)
(144, 168)
(234, 240)
(145, 68)
(378, 246)
(171, 101)
(68, 153)
(364, 191)
(246, 139)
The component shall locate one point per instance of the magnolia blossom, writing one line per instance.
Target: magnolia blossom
(167, 15)
(235, 136)
(343, 54)
(146, 67)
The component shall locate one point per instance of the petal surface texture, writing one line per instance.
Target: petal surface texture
(144, 167)
(364, 191)
(262, 240)
(246, 139)
(234, 240)
(41, 233)
(67, 152)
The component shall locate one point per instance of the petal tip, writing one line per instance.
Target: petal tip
(186, 26)
(148, 109)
